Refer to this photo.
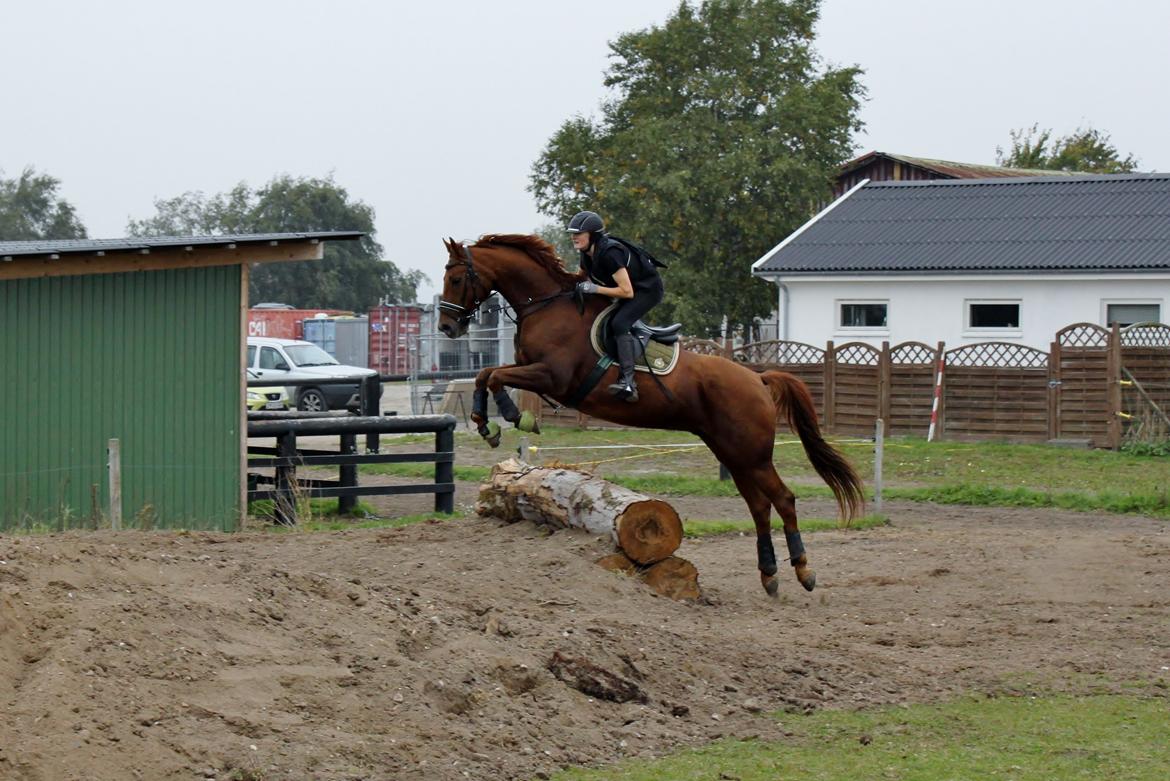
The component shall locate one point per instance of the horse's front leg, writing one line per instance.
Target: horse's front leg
(532, 377)
(487, 429)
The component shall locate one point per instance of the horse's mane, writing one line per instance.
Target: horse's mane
(536, 248)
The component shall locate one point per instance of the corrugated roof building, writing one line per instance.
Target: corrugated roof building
(140, 340)
(968, 259)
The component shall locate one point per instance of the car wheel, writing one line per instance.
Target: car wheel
(312, 400)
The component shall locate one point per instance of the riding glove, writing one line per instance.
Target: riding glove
(586, 287)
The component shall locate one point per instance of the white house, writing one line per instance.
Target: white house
(975, 260)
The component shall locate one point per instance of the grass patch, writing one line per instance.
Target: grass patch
(958, 473)
(1155, 503)
(910, 461)
(425, 470)
(703, 528)
(1121, 738)
(336, 524)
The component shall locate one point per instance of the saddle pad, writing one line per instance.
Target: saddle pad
(663, 357)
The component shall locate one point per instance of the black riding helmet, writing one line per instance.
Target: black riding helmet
(586, 222)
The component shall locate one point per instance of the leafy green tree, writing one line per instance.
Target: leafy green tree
(1087, 150)
(723, 135)
(30, 209)
(558, 237)
(352, 275)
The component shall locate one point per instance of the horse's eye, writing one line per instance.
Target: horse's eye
(456, 281)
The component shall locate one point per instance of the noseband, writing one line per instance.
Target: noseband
(463, 313)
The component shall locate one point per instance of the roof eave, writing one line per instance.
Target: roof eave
(792, 236)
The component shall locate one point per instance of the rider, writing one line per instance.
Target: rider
(614, 270)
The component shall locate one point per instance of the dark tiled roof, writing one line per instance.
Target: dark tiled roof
(15, 249)
(1117, 222)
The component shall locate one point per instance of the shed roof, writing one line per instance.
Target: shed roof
(1118, 222)
(951, 169)
(46, 247)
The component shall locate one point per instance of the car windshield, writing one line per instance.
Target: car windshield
(309, 355)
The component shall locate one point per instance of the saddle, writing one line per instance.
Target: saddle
(658, 347)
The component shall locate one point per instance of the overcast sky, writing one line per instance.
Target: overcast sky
(433, 112)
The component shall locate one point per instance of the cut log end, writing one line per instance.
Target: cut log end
(648, 531)
(618, 562)
(674, 578)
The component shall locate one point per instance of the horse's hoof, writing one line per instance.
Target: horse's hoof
(527, 422)
(808, 580)
(771, 584)
(492, 434)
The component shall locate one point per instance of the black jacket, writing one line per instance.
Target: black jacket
(610, 254)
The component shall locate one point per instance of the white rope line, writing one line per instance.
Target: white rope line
(652, 447)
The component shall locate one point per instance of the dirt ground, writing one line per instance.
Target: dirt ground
(423, 652)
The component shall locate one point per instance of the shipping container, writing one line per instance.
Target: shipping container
(394, 330)
(342, 337)
(280, 323)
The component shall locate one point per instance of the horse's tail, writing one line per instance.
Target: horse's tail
(793, 400)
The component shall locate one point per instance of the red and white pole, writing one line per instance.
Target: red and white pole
(937, 397)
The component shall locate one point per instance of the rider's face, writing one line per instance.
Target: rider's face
(581, 240)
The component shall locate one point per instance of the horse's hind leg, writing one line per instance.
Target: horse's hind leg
(760, 506)
(785, 503)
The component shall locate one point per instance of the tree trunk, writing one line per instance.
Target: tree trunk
(647, 530)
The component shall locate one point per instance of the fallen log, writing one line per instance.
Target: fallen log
(646, 530)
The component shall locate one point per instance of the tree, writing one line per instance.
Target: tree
(723, 135)
(1087, 150)
(558, 237)
(30, 209)
(352, 276)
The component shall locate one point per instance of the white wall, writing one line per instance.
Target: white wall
(930, 311)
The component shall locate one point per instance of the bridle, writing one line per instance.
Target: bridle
(461, 313)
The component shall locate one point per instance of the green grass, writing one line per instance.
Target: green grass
(705, 528)
(1119, 738)
(334, 524)
(425, 470)
(909, 462)
(979, 474)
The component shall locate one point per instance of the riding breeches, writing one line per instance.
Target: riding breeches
(633, 309)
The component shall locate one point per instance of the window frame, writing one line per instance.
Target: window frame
(873, 330)
(1108, 302)
(1008, 331)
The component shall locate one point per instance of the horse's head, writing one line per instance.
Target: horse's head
(464, 289)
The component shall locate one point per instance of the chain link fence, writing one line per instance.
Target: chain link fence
(443, 370)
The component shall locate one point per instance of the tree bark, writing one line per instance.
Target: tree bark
(646, 530)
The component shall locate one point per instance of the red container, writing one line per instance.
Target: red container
(283, 323)
(394, 329)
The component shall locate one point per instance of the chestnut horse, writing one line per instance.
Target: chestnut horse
(732, 408)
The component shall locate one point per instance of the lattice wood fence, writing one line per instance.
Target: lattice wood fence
(990, 390)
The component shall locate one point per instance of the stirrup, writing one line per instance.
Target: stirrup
(626, 391)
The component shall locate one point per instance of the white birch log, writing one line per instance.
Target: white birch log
(647, 530)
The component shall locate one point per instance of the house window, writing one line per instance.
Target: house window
(993, 315)
(1128, 314)
(863, 314)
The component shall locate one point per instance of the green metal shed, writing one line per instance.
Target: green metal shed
(140, 340)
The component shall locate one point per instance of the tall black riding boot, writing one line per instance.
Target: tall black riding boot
(626, 388)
